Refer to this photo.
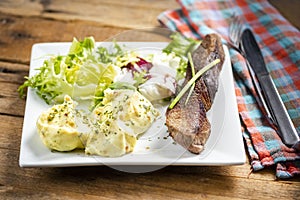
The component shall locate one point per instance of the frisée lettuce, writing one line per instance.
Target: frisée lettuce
(181, 46)
(76, 74)
(86, 71)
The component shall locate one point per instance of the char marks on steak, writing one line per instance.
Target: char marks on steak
(187, 122)
(211, 48)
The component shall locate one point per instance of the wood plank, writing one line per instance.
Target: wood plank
(106, 12)
(11, 130)
(12, 106)
(10, 102)
(11, 77)
(17, 34)
(111, 12)
(289, 12)
(102, 181)
(21, 7)
(13, 72)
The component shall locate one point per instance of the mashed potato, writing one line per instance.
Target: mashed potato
(57, 127)
(125, 115)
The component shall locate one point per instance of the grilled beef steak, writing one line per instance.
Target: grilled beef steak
(211, 48)
(187, 122)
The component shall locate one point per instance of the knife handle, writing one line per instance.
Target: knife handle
(286, 128)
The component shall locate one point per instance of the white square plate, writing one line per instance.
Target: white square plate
(224, 146)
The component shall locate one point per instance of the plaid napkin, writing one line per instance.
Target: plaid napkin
(280, 45)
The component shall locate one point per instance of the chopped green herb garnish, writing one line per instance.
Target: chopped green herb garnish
(191, 81)
(193, 74)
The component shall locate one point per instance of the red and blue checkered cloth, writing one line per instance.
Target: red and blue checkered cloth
(280, 45)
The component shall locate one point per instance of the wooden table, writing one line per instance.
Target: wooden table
(25, 22)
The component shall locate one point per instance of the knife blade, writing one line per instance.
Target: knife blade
(286, 129)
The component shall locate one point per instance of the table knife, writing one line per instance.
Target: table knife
(286, 129)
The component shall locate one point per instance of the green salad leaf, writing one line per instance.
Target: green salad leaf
(86, 71)
(109, 57)
(106, 78)
(76, 74)
(181, 46)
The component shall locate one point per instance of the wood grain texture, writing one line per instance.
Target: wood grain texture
(26, 22)
(11, 77)
(289, 9)
(131, 14)
(18, 34)
(104, 182)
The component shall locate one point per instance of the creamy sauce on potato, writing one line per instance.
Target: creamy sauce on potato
(57, 127)
(124, 116)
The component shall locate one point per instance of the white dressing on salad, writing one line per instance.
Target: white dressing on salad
(162, 82)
